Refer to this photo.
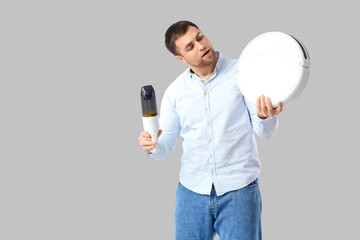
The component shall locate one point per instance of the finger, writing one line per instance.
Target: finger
(159, 133)
(146, 137)
(147, 143)
(263, 106)
(148, 148)
(269, 107)
(279, 108)
(143, 139)
(145, 134)
(258, 106)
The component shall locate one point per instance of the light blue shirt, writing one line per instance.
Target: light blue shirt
(217, 124)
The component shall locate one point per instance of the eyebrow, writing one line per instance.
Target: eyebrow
(187, 45)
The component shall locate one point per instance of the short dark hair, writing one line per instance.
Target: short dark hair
(174, 31)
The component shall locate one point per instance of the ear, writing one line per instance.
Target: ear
(180, 58)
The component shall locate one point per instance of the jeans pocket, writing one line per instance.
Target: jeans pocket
(252, 184)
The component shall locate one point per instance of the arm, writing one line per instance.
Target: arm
(170, 129)
(263, 117)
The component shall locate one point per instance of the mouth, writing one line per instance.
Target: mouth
(206, 54)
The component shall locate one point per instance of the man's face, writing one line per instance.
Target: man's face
(195, 49)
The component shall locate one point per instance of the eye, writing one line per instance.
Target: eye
(200, 37)
(190, 47)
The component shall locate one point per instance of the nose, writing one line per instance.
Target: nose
(201, 46)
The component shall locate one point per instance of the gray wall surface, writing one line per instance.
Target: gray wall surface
(70, 162)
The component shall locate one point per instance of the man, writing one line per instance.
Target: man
(218, 190)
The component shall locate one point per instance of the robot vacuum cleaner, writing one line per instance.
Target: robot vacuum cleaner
(274, 64)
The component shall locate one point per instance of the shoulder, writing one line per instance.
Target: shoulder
(230, 63)
(176, 87)
(228, 67)
(178, 82)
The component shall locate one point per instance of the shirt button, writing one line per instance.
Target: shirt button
(206, 109)
(210, 140)
(209, 124)
(212, 171)
(205, 93)
(211, 155)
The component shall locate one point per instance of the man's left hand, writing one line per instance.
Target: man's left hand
(264, 108)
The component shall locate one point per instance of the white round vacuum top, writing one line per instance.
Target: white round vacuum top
(274, 64)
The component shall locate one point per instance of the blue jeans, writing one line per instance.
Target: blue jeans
(235, 215)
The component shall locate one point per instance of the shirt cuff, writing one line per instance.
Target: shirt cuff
(264, 121)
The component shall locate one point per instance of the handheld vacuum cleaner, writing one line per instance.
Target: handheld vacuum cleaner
(150, 113)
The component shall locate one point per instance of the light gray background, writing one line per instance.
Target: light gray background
(70, 116)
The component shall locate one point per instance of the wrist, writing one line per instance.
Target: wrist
(261, 117)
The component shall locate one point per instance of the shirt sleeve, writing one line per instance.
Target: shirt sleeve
(264, 128)
(170, 125)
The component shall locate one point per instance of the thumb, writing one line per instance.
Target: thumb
(159, 133)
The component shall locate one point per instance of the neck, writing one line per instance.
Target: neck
(203, 71)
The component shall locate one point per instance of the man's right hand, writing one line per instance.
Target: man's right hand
(146, 142)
